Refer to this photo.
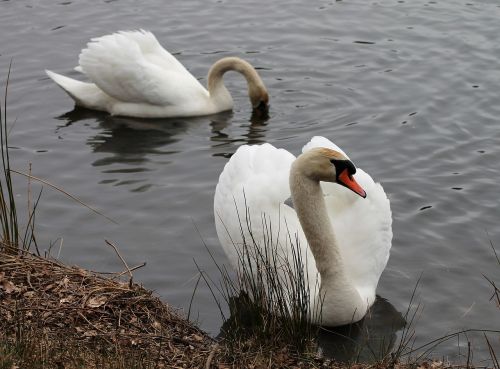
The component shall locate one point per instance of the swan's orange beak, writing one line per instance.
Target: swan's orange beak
(348, 181)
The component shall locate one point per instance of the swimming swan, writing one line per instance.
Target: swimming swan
(343, 224)
(133, 75)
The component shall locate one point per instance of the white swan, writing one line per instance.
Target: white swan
(349, 237)
(133, 75)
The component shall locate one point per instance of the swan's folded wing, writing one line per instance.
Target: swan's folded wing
(250, 196)
(320, 141)
(152, 50)
(363, 227)
(133, 67)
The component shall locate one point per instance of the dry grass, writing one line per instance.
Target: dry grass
(52, 314)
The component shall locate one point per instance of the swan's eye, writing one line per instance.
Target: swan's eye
(350, 167)
(341, 165)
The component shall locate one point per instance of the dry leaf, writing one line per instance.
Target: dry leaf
(64, 282)
(46, 314)
(8, 286)
(156, 325)
(29, 294)
(97, 301)
(66, 300)
(197, 338)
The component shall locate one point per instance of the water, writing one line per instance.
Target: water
(408, 89)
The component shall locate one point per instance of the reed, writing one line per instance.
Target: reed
(496, 297)
(12, 236)
(496, 290)
(268, 294)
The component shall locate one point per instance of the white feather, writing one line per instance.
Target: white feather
(137, 77)
(257, 178)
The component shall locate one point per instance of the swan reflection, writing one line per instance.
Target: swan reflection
(132, 140)
(367, 341)
(256, 133)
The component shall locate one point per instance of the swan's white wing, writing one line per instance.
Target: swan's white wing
(320, 141)
(134, 67)
(254, 184)
(363, 227)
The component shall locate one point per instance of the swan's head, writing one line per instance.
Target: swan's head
(259, 98)
(327, 165)
(256, 89)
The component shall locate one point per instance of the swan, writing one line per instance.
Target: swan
(340, 216)
(133, 75)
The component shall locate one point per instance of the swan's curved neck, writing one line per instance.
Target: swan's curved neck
(308, 202)
(311, 210)
(231, 63)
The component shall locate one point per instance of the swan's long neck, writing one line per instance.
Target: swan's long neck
(337, 290)
(216, 87)
(231, 63)
(308, 202)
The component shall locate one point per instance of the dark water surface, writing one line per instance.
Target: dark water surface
(410, 89)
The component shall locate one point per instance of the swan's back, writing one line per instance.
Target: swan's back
(133, 67)
(253, 183)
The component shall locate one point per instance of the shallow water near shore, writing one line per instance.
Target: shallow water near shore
(410, 90)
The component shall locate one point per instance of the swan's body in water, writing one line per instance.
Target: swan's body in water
(133, 75)
(345, 238)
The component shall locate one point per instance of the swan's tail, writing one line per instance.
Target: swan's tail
(85, 94)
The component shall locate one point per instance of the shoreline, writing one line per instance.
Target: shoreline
(65, 315)
(53, 315)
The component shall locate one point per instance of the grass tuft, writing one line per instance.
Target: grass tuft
(11, 235)
(268, 294)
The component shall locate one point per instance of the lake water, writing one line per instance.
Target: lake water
(409, 89)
